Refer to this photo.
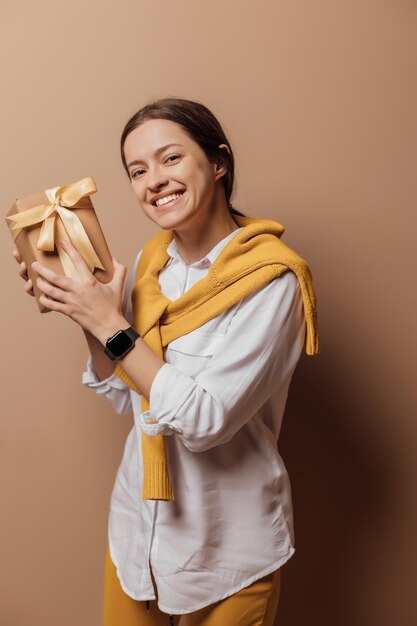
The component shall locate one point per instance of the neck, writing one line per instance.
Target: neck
(194, 243)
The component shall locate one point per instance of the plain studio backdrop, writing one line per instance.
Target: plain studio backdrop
(318, 100)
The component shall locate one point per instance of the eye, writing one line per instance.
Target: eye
(173, 156)
(133, 174)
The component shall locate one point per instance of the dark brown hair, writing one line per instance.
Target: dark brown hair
(199, 123)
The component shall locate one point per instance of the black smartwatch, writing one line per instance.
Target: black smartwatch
(120, 343)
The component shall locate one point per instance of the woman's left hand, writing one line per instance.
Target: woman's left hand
(95, 306)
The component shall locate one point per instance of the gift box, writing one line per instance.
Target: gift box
(38, 223)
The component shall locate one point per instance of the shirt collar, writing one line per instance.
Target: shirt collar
(210, 257)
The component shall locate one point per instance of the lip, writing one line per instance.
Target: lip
(166, 207)
(165, 194)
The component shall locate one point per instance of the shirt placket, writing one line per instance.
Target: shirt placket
(153, 543)
(187, 275)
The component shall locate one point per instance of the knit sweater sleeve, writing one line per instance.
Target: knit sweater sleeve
(116, 392)
(256, 358)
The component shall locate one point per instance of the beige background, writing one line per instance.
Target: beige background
(318, 100)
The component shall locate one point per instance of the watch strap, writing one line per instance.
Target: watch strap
(132, 333)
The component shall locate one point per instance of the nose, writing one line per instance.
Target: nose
(157, 179)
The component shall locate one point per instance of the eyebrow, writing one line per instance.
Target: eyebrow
(156, 153)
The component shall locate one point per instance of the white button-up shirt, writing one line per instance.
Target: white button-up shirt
(219, 400)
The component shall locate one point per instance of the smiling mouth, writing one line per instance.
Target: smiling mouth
(169, 204)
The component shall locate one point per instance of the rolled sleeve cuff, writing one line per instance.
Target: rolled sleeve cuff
(90, 379)
(160, 428)
(164, 406)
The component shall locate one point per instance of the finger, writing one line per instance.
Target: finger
(119, 273)
(16, 255)
(56, 279)
(29, 287)
(22, 269)
(51, 290)
(79, 262)
(51, 304)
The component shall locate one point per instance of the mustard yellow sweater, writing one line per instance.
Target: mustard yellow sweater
(252, 258)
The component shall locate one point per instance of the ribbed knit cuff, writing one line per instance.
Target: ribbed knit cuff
(156, 482)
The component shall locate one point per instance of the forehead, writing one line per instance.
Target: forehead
(142, 142)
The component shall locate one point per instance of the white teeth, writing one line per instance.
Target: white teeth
(168, 198)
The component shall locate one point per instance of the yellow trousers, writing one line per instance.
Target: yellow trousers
(255, 605)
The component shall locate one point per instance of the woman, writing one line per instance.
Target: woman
(200, 517)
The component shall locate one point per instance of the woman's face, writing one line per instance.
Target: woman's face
(158, 170)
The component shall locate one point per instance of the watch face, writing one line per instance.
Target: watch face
(120, 343)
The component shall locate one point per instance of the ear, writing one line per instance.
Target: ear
(221, 170)
(223, 145)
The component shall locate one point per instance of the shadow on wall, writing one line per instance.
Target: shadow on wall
(343, 488)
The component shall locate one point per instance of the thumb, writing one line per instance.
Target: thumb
(119, 271)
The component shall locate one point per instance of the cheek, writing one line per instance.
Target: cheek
(140, 198)
(139, 191)
(196, 176)
(204, 173)
(191, 169)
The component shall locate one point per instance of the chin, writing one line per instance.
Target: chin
(172, 219)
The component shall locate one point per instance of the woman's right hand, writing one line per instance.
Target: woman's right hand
(23, 272)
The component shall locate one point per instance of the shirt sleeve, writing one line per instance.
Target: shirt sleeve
(257, 356)
(112, 388)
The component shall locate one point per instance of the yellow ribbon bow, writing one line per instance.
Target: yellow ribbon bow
(69, 226)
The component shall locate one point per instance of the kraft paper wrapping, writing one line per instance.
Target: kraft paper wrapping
(86, 235)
